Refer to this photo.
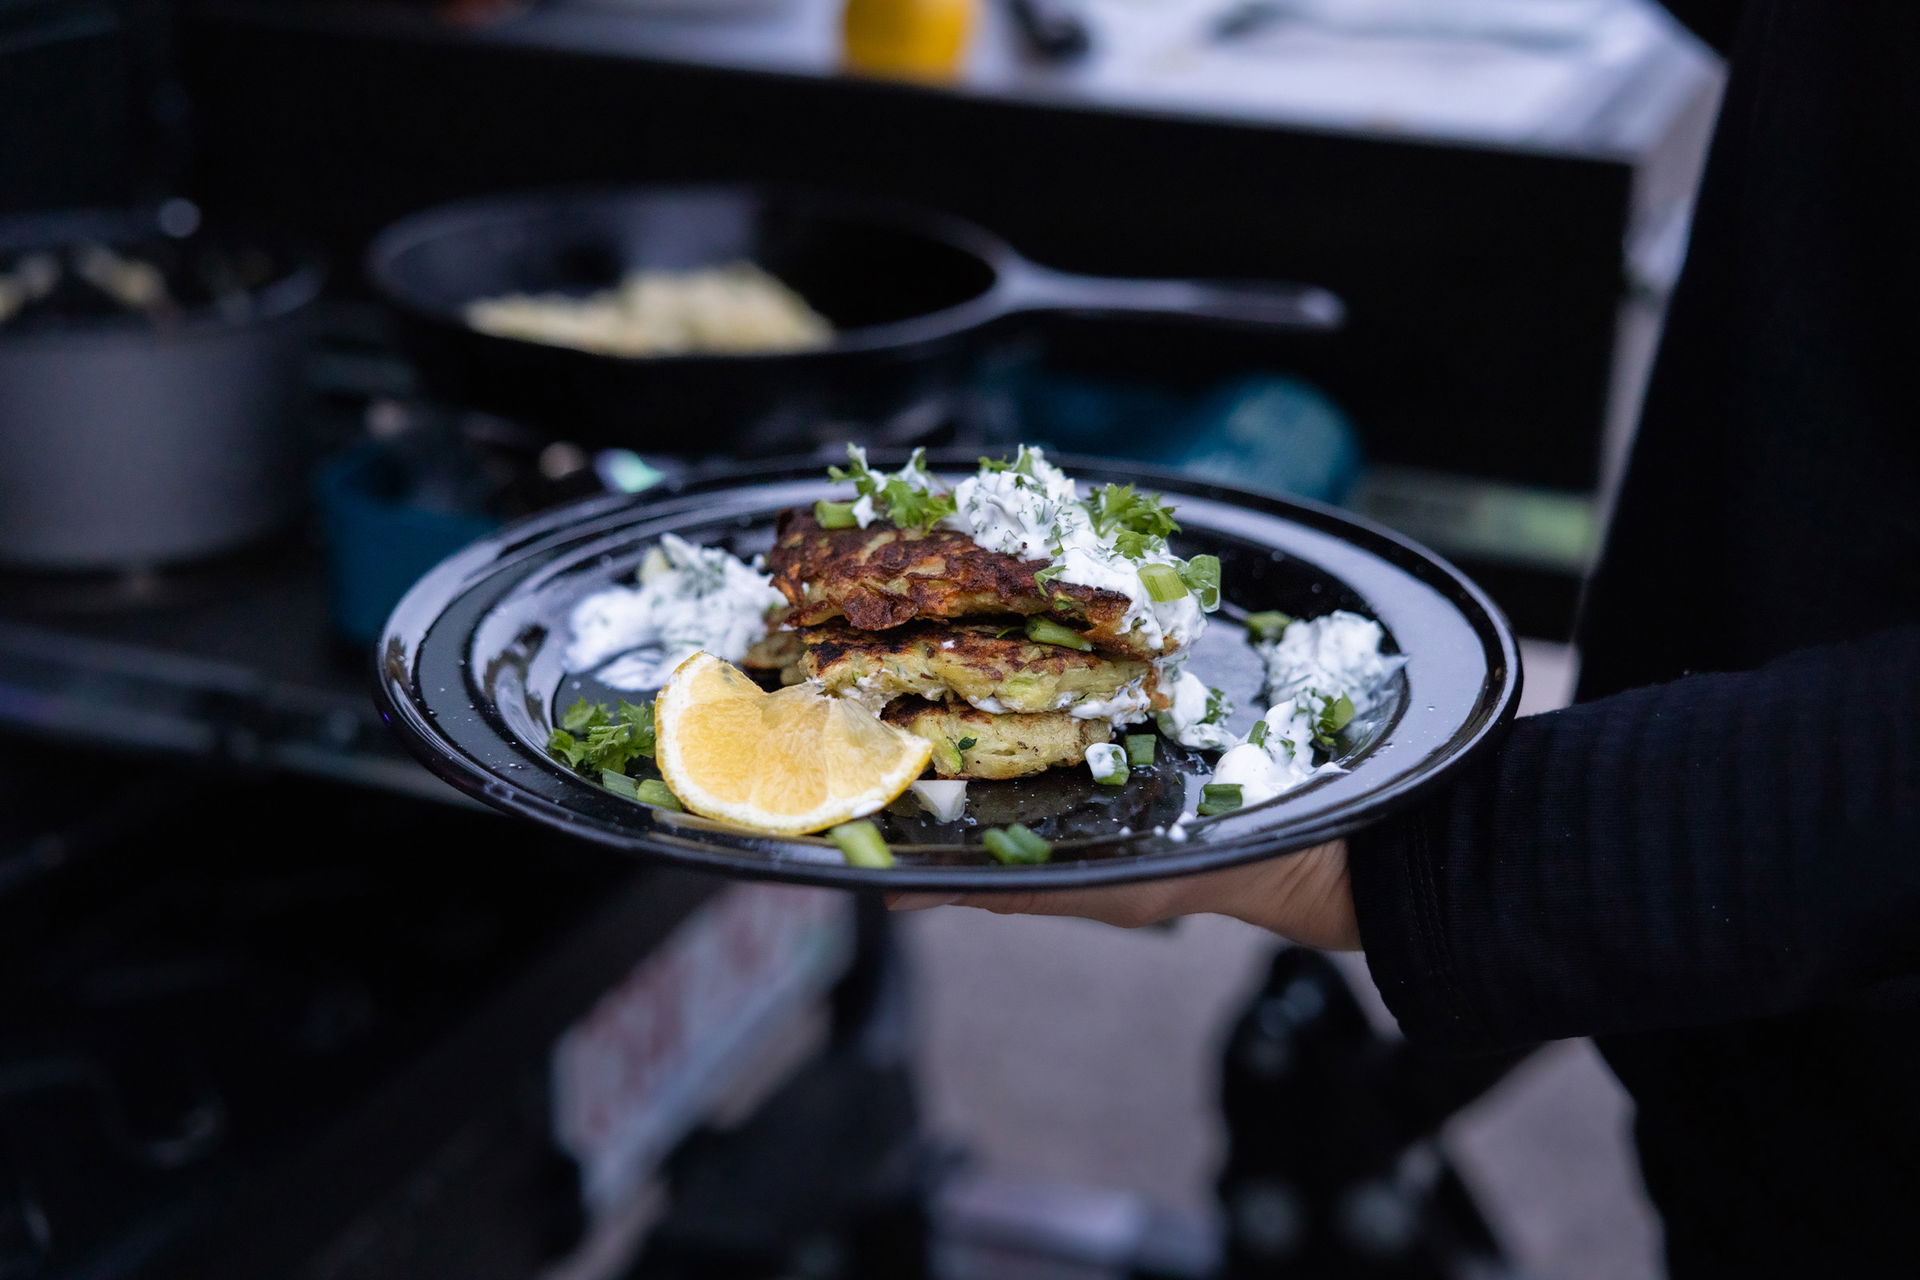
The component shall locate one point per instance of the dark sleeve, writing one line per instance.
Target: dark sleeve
(1714, 21)
(1719, 848)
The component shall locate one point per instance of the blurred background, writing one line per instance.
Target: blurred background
(275, 1002)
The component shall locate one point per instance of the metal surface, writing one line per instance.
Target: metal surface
(127, 445)
(470, 674)
(914, 297)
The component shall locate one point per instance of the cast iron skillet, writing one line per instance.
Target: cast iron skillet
(470, 675)
(914, 296)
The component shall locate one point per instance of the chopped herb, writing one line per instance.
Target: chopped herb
(1202, 576)
(967, 743)
(650, 791)
(1334, 716)
(906, 498)
(1047, 631)
(1016, 845)
(658, 794)
(861, 845)
(590, 737)
(1219, 706)
(1118, 508)
(914, 508)
(1218, 798)
(1140, 748)
(1114, 764)
(1162, 582)
(567, 747)
(834, 515)
(1266, 627)
(1048, 574)
(1258, 735)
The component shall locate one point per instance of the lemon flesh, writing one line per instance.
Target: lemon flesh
(785, 763)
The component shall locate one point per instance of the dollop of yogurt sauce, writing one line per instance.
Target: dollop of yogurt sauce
(1197, 716)
(689, 598)
(1033, 511)
(1283, 759)
(1337, 654)
(1309, 668)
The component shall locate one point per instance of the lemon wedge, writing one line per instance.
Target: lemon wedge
(785, 763)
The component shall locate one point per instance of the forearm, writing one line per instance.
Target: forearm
(1728, 846)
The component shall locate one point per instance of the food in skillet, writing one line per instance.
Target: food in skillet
(991, 628)
(733, 310)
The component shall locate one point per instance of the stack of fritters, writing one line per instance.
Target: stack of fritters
(932, 625)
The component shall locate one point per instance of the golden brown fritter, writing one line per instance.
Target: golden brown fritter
(882, 577)
(773, 651)
(1001, 746)
(971, 661)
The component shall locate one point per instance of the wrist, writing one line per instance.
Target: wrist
(1305, 897)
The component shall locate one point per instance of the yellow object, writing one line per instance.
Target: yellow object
(919, 39)
(785, 763)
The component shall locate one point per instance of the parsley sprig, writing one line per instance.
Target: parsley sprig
(592, 737)
(906, 497)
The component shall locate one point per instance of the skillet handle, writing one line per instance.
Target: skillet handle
(1259, 304)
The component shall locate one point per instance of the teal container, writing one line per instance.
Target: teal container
(379, 541)
(1265, 432)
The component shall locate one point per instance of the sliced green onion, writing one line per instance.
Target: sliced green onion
(1016, 845)
(1258, 734)
(1047, 631)
(1162, 582)
(834, 515)
(861, 845)
(658, 794)
(619, 784)
(1113, 760)
(1202, 574)
(946, 755)
(1218, 798)
(1266, 627)
(1140, 749)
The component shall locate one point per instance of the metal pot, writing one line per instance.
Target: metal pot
(141, 439)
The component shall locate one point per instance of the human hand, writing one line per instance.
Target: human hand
(1302, 896)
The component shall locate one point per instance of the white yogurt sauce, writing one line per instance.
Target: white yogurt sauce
(1311, 664)
(1040, 517)
(1128, 705)
(1337, 654)
(1198, 715)
(1282, 761)
(1104, 760)
(689, 598)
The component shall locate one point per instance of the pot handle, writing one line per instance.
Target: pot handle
(1260, 304)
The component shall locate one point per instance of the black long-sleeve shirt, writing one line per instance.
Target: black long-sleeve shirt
(1719, 874)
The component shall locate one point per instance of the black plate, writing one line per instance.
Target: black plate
(470, 675)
